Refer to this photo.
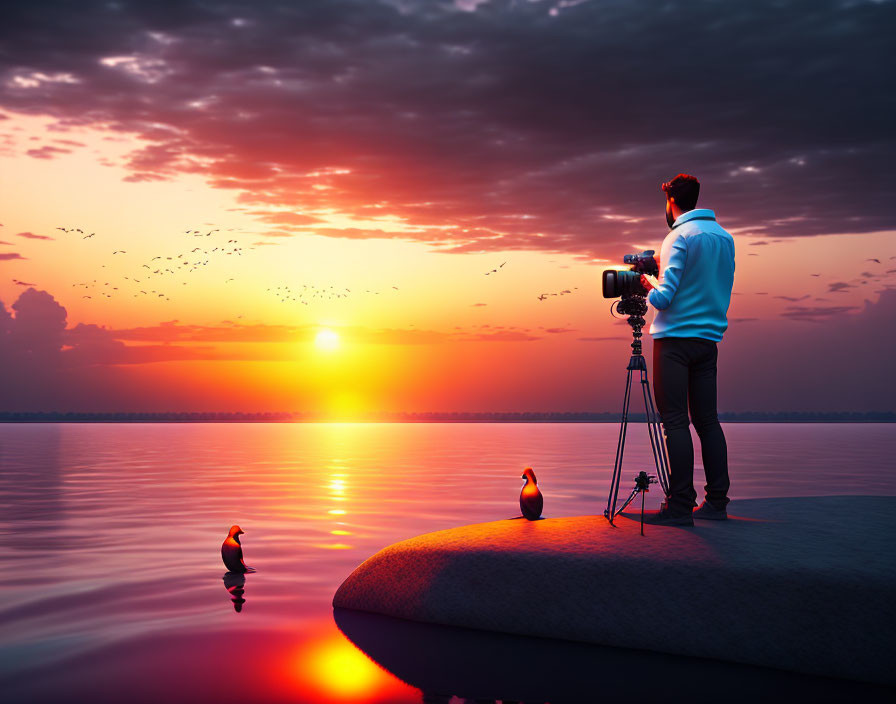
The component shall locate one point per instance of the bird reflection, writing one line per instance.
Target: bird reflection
(235, 582)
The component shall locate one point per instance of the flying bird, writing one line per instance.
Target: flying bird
(873, 260)
(531, 500)
(232, 552)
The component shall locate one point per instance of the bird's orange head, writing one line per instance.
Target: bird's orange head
(235, 531)
(528, 474)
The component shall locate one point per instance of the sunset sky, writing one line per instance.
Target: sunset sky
(381, 158)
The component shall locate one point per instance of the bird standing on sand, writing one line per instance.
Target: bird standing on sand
(531, 500)
(232, 552)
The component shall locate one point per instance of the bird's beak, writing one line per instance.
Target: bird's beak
(240, 532)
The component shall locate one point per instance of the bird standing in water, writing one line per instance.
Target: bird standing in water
(531, 500)
(232, 552)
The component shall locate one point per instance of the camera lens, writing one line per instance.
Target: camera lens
(611, 284)
(620, 283)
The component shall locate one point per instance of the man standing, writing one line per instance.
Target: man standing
(697, 271)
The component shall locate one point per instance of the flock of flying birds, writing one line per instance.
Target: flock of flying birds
(164, 271)
(159, 274)
(157, 277)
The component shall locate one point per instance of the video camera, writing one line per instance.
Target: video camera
(628, 283)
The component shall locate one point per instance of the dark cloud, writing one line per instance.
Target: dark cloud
(793, 298)
(786, 363)
(34, 338)
(94, 345)
(839, 287)
(46, 366)
(47, 152)
(5, 256)
(503, 127)
(814, 313)
(33, 236)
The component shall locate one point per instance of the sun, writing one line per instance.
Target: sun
(327, 340)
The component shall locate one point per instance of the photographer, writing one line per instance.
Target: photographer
(697, 271)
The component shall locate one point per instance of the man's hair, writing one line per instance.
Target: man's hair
(684, 189)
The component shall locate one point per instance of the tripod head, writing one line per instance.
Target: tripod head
(643, 481)
(635, 307)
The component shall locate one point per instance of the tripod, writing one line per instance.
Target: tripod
(636, 307)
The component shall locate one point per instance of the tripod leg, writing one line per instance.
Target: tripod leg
(642, 512)
(657, 444)
(627, 502)
(611, 512)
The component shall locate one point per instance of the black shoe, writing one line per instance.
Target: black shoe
(707, 511)
(663, 517)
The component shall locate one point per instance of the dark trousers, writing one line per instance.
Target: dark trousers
(684, 378)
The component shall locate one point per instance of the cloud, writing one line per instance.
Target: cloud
(32, 236)
(503, 127)
(173, 331)
(6, 256)
(826, 364)
(813, 313)
(46, 365)
(93, 345)
(793, 298)
(47, 152)
(839, 287)
(499, 336)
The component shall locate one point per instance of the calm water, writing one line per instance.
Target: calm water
(112, 589)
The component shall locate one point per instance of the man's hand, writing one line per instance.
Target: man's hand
(649, 282)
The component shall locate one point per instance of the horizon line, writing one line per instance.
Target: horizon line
(423, 416)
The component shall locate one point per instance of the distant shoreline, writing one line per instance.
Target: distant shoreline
(431, 417)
